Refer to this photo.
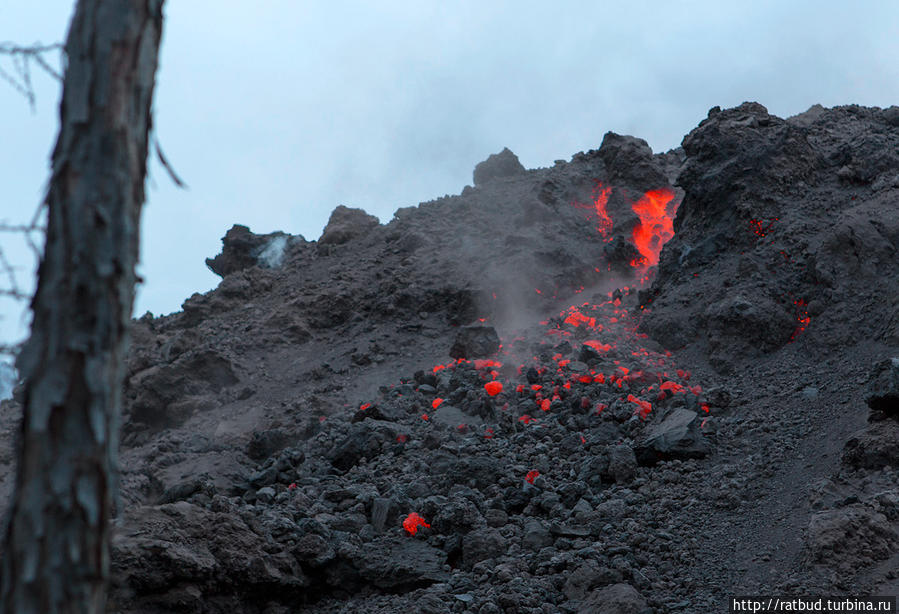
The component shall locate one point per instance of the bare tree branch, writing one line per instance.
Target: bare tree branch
(21, 59)
(168, 167)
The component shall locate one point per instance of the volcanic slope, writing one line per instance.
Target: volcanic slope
(497, 403)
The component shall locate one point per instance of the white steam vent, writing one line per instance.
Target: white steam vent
(273, 254)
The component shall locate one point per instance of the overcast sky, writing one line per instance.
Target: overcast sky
(276, 112)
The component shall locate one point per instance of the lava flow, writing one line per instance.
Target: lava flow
(597, 211)
(656, 209)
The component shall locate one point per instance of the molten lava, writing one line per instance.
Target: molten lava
(531, 476)
(493, 388)
(597, 212)
(656, 210)
(413, 521)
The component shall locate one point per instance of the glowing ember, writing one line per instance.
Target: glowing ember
(293, 486)
(802, 318)
(656, 211)
(425, 417)
(531, 476)
(493, 388)
(545, 404)
(484, 364)
(436, 402)
(674, 387)
(402, 438)
(527, 419)
(760, 228)
(599, 347)
(364, 406)
(413, 521)
(644, 406)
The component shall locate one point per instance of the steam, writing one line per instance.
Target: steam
(7, 380)
(272, 255)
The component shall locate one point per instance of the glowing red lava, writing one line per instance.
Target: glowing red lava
(644, 406)
(436, 402)
(493, 388)
(598, 210)
(802, 318)
(656, 210)
(412, 522)
(531, 476)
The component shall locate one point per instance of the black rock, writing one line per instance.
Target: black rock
(503, 164)
(676, 437)
(266, 443)
(614, 599)
(622, 463)
(536, 536)
(242, 249)
(475, 342)
(383, 513)
(346, 224)
(883, 389)
(481, 544)
(874, 447)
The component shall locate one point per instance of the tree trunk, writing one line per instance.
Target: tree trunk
(56, 546)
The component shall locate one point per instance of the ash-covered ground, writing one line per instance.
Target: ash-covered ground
(515, 400)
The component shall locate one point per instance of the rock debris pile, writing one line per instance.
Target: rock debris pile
(631, 382)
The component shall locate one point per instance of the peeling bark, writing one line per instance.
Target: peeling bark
(56, 544)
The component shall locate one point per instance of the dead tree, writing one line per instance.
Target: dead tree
(56, 544)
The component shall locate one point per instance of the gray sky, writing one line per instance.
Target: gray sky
(275, 113)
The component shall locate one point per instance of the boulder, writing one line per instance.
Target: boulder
(242, 248)
(503, 164)
(346, 224)
(475, 342)
(882, 395)
(614, 599)
(675, 437)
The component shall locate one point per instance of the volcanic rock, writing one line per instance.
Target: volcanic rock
(242, 248)
(629, 161)
(346, 224)
(853, 535)
(165, 396)
(614, 599)
(502, 164)
(883, 389)
(172, 548)
(582, 580)
(757, 325)
(475, 342)
(622, 463)
(394, 565)
(383, 513)
(482, 544)
(676, 437)
(874, 447)
(536, 536)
